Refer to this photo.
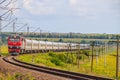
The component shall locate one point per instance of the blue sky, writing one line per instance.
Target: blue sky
(83, 16)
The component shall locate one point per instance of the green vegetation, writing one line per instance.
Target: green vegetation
(6, 75)
(16, 76)
(4, 50)
(78, 40)
(62, 37)
(52, 59)
(104, 65)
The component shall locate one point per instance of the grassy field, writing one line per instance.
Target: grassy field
(72, 39)
(4, 50)
(16, 76)
(4, 75)
(104, 65)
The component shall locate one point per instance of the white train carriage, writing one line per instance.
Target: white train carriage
(55, 46)
(73, 46)
(42, 45)
(60, 46)
(49, 45)
(84, 46)
(28, 44)
(65, 46)
(87, 46)
(23, 44)
(35, 45)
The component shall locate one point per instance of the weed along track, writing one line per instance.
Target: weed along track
(61, 73)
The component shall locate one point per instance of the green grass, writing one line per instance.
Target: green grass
(4, 50)
(64, 61)
(5, 75)
(16, 76)
(72, 39)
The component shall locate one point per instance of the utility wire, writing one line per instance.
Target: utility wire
(21, 27)
(36, 29)
(6, 12)
(8, 3)
(9, 23)
(2, 1)
(9, 15)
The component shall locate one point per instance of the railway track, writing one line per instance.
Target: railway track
(62, 73)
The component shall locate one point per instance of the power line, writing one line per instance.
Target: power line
(9, 23)
(9, 3)
(21, 27)
(2, 1)
(6, 12)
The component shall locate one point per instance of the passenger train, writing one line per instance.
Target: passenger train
(20, 45)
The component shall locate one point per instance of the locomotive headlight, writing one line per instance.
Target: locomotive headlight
(18, 47)
(10, 46)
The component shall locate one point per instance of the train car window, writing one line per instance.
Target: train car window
(28, 44)
(42, 45)
(14, 40)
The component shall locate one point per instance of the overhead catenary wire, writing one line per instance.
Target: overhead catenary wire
(2, 1)
(8, 3)
(6, 12)
(21, 27)
(8, 17)
(9, 23)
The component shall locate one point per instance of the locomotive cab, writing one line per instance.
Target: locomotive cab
(14, 44)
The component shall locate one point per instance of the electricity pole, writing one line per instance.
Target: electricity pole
(0, 24)
(27, 30)
(117, 56)
(13, 27)
(40, 34)
(92, 44)
(0, 33)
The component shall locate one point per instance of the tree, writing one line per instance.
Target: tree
(60, 40)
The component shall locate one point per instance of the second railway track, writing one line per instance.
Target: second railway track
(62, 73)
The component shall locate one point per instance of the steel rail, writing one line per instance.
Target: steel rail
(62, 73)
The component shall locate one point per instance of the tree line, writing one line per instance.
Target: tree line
(61, 36)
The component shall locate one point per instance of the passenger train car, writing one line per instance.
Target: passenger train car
(18, 44)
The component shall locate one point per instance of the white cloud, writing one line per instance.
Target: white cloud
(40, 6)
(73, 2)
(82, 7)
(93, 8)
(85, 8)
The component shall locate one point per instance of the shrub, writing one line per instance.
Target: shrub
(62, 57)
(52, 54)
(56, 61)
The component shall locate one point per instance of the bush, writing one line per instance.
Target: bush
(56, 61)
(62, 57)
(52, 54)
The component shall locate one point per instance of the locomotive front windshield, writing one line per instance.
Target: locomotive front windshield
(14, 39)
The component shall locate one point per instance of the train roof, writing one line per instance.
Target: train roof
(56, 43)
(47, 42)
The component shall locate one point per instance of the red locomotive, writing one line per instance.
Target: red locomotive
(14, 44)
